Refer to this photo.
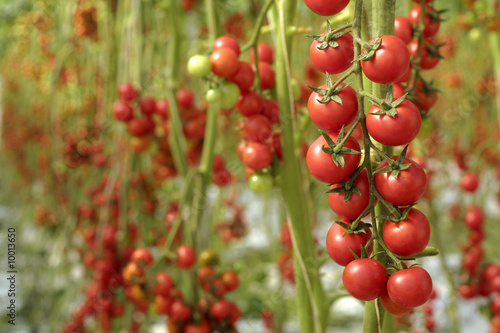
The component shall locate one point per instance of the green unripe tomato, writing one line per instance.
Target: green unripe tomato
(426, 128)
(213, 95)
(475, 34)
(295, 89)
(260, 182)
(230, 93)
(199, 65)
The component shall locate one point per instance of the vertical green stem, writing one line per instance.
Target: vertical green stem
(311, 301)
(494, 39)
(176, 136)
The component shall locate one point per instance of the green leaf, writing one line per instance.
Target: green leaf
(328, 139)
(402, 156)
(333, 43)
(335, 98)
(338, 159)
(318, 90)
(343, 225)
(400, 100)
(383, 170)
(337, 190)
(353, 253)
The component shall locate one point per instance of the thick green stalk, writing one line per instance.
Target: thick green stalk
(383, 13)
(176, 136)
(494, 39)
(311, 301)
(213, 27)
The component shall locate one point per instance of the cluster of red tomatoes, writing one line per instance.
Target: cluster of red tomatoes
(235, 84)
(213, 312)
(478, 280)
(235, 226)
(334, 158)
(84, 147)
(152, 124)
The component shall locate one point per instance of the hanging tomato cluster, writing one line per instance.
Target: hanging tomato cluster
(242, 85)
(398, 182)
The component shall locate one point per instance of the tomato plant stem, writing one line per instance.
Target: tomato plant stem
(176, 135)
(311, 303)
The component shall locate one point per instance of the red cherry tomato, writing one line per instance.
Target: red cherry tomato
(339, 246)
(224, 62)
(424, 101)
(333, 60)
(227, 42)
(244, 76)
(257, 128)
(186, 257)
(392, 307)
(469, 182)
(249, 103)
(326, 8)
(331, 115)
(257, 156)
(427, 61)
(390, 62)
(409, 236)
(265, 53)
(394, 131)
(356, 204)
(267, 75)
(406, 188)
(365, 279)
(403, 29)
(410, 287)
(321, 165)
(474, 218)
(431, 26)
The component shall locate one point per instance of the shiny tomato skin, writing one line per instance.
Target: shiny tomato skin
(365, 279)
(469, 182)
(474, 218)
(403, 29)
(390, 62)
(227, 42)
(326, 8)
(338, 245)
(427, 61)
(431, 26)
(405, 78)
(257, 128)
(249, 103)
(410, 287)
(423, 100)
(267, 75)
(203, 327)
(265, 53)
(224, 62)
(333, 60)
(398, 130)
(331, 116)
(321, 165)
(392, 307)
(257, 156)
(406, 189)
(409, 236)
(356, 204)
(244, 77)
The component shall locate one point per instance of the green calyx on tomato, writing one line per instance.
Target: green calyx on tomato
(387, 107)
(331, 91)
(370, 49)
(329, 38)
(336, 149)
(395, 167)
